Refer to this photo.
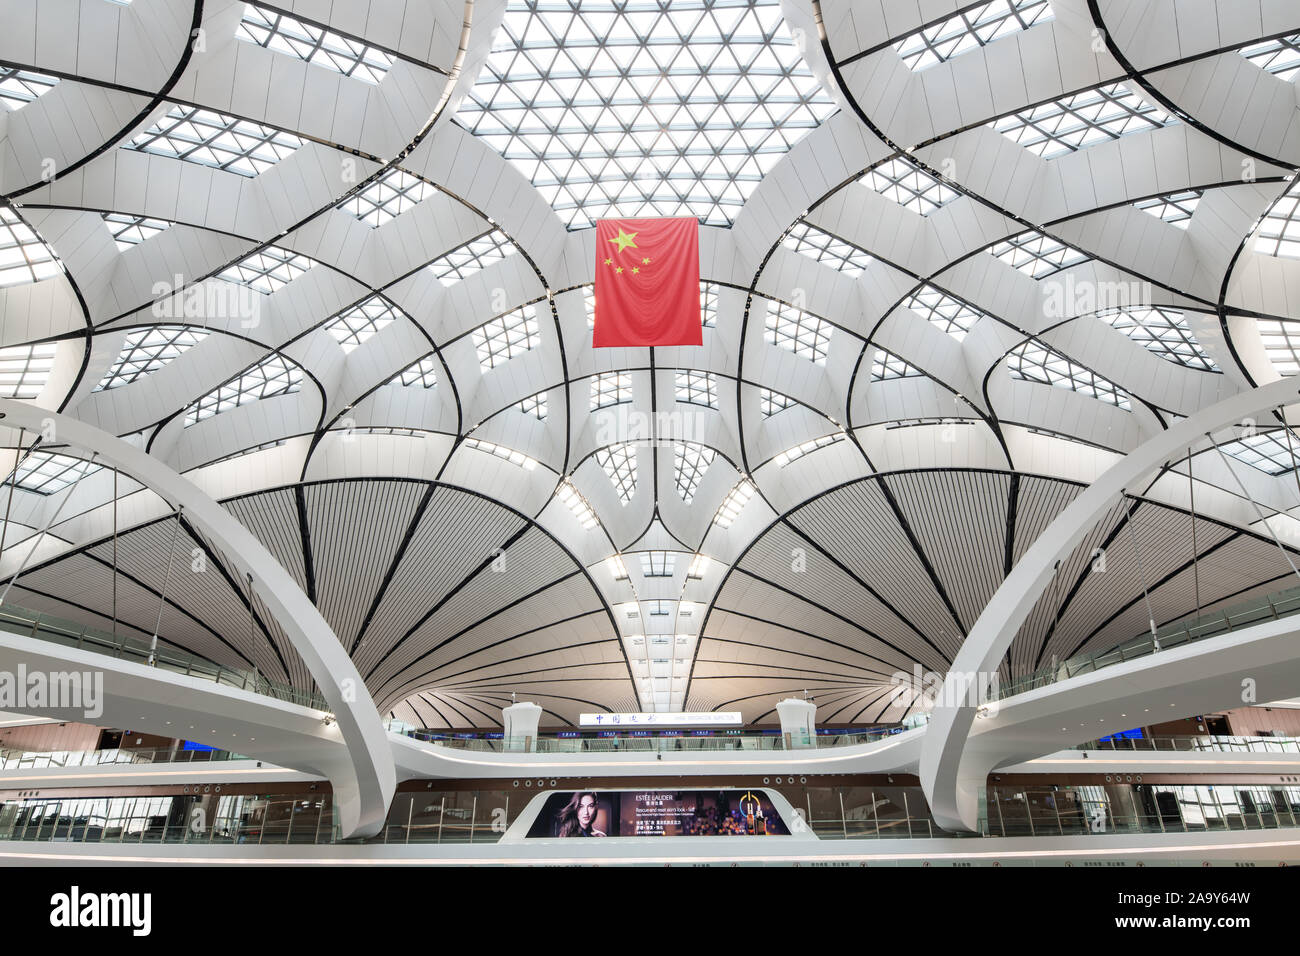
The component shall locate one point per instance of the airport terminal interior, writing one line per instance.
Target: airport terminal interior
(436, 430)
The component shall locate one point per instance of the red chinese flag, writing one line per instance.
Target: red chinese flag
(647, 282)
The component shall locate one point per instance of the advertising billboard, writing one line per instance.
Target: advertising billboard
(657, 813)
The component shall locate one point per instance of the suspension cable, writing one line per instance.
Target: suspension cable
(162, 595)
(1196, 564)
(1137, 552)
(1259, 513)
(48, 524)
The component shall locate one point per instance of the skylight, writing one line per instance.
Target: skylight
(1079, 121)
(945, 312)
(798, 451)
(506, 336)
(902, 181)
(1279, 232)
(500, 451)
(887, 365)
(128, 231)
(734, 503)
(658, 564)
(1163, 331)
(147, 350)
(474, 256)
(24, 256)
(970, 30)
(274, 375)
(268, 270)
(1267, 451)
(577, 504)
(534, 405)
(1281, 343)
(1281, 57)
(821, 246)
(644, 109)
(690, 461)
(24, 369)
(284, 34)
(1034, 362)
(1174, 208)
(610, 388)
(770, 402)
(697, 388)
(387, 197)
(423, 372)
(797, 331)
(1036, 254)
(619, 464)
(353, 326)
(214, 139)
(19, 87)
(46, 473)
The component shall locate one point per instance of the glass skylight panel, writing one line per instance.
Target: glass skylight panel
(19, 87)
(902, 181)
(610, 388)
(644, 108)
(423, 372)
(285, 34)
(506, 336)
(734, 503)
(658, 564)
(387, 197)
(354, 326)
(1279, 232)
(1174, 208)
(969, 30)
(821, 246)
(1037, 254)
(708, 304)
(1281, 57)
(130, 230)
(616, 567)
(798, 451)
(274, 375)
(214, 139)
(500, 451)
(474, 256)
(1267, 451)
(24, 369)
(945, 312)
(24, 256)
(770, 402)
(619, 464)
(1163, 331)
(268, 270)
(149, 349)
(1282, 344)
(886, 366)
(534, 405)
(690, 461)
(1035, 363)
(797, 331)
(697, 388)
(699, 565)
(46, 473)
(1079, 121)
(577, 504)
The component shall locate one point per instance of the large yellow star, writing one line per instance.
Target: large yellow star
(624, 239)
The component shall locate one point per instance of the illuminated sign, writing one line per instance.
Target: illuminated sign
(722, 718)
(657, 813)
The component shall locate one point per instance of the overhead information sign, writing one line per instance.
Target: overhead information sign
(722, 718)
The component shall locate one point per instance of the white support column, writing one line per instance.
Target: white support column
(363, 785)
(951, 776)
(521, 722)
(798, 723)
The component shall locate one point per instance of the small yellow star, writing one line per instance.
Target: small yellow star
(609, 262)
(636, 269)
(645, 262)
(619, 270)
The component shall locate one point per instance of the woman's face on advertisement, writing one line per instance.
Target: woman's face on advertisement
(587, 812)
